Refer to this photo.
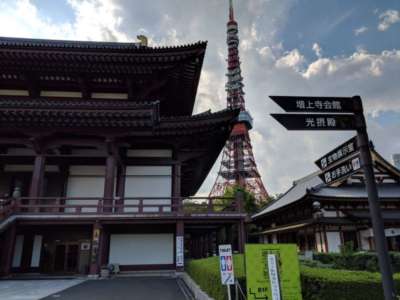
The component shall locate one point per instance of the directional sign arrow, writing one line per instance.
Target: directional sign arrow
(342, 170)
(343, 151)
(316, 121)
(318, 104)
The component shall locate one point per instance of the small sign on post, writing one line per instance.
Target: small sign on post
(179, 251)
(226, 267)
(342, 170)
(345, 150)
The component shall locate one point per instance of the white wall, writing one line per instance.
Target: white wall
(149, 153)
(319, 242)
(36, 251)
(364, 238)
(65, 94)
(14, 92)
(142, 249)
(109, 96)
(334, 241)
(19, 244)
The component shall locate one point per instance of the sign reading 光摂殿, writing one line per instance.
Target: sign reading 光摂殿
(272, 272)
(226, 264)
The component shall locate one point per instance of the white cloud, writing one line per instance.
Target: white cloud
(93, 20)
(388, 18)
(292, 59)
(267, 67)
(360, 30)
(317, 49)
(250, 38)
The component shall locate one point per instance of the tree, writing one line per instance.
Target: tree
(250, 202)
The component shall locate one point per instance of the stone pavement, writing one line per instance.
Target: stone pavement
(34, 289)
(123, 288)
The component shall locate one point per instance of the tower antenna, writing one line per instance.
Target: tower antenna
(238, 166)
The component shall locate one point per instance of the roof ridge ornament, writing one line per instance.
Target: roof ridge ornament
(143, 40)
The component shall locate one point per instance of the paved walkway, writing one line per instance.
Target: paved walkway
(34, 289)
(123, 288)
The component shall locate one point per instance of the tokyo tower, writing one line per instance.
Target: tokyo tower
(238, 166)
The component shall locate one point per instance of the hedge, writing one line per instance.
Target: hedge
(363, 261)
(317, 283)
(205, 272)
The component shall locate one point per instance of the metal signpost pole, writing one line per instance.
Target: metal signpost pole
(229, 292)
(373, 200)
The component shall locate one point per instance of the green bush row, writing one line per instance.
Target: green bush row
(317, 283)
(205, 272)
(364, 261)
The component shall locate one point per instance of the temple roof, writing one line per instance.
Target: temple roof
(313, 186)
(199, 138)
(168, 74)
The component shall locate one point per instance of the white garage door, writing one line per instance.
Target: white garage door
(142, 249)
(147, 182)
(85, 181)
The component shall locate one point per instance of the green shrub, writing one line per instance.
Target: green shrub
(317, 283)
(362, 261)
(205, 272)
(330, 284)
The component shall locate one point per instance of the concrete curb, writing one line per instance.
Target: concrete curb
(198, 293)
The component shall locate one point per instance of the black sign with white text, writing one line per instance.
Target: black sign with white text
(316, 104)
(316, 121)
(344, 150)
(342, 170)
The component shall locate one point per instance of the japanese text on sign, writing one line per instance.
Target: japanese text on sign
(343, 170)
(321, 122)
(318, 105)
(336, 155)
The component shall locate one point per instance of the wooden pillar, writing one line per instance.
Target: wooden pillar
(176, 187)
(211, 250)
(180, 246)
(36, 187)
(109, 183)
(7, 250)
(241, 236)
(121, 187)
(95, 256)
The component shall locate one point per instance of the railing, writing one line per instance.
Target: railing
(117, 205)
(6, 208)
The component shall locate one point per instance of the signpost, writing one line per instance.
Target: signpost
(342, 113)
(316, 121)
(314, 104)
(226, 267)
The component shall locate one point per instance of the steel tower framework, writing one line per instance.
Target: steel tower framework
(238, 166)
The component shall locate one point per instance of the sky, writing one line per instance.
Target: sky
(288, 47)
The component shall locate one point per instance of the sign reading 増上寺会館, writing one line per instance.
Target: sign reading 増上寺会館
(272, 272)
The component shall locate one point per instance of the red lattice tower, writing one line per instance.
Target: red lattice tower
(238, 166)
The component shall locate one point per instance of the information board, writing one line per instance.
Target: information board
(272, 272)
(179, 251)
(226, 264)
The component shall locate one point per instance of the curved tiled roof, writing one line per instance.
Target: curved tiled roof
(25, 43)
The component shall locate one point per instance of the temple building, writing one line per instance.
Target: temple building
(320, 217)
(100, 156)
